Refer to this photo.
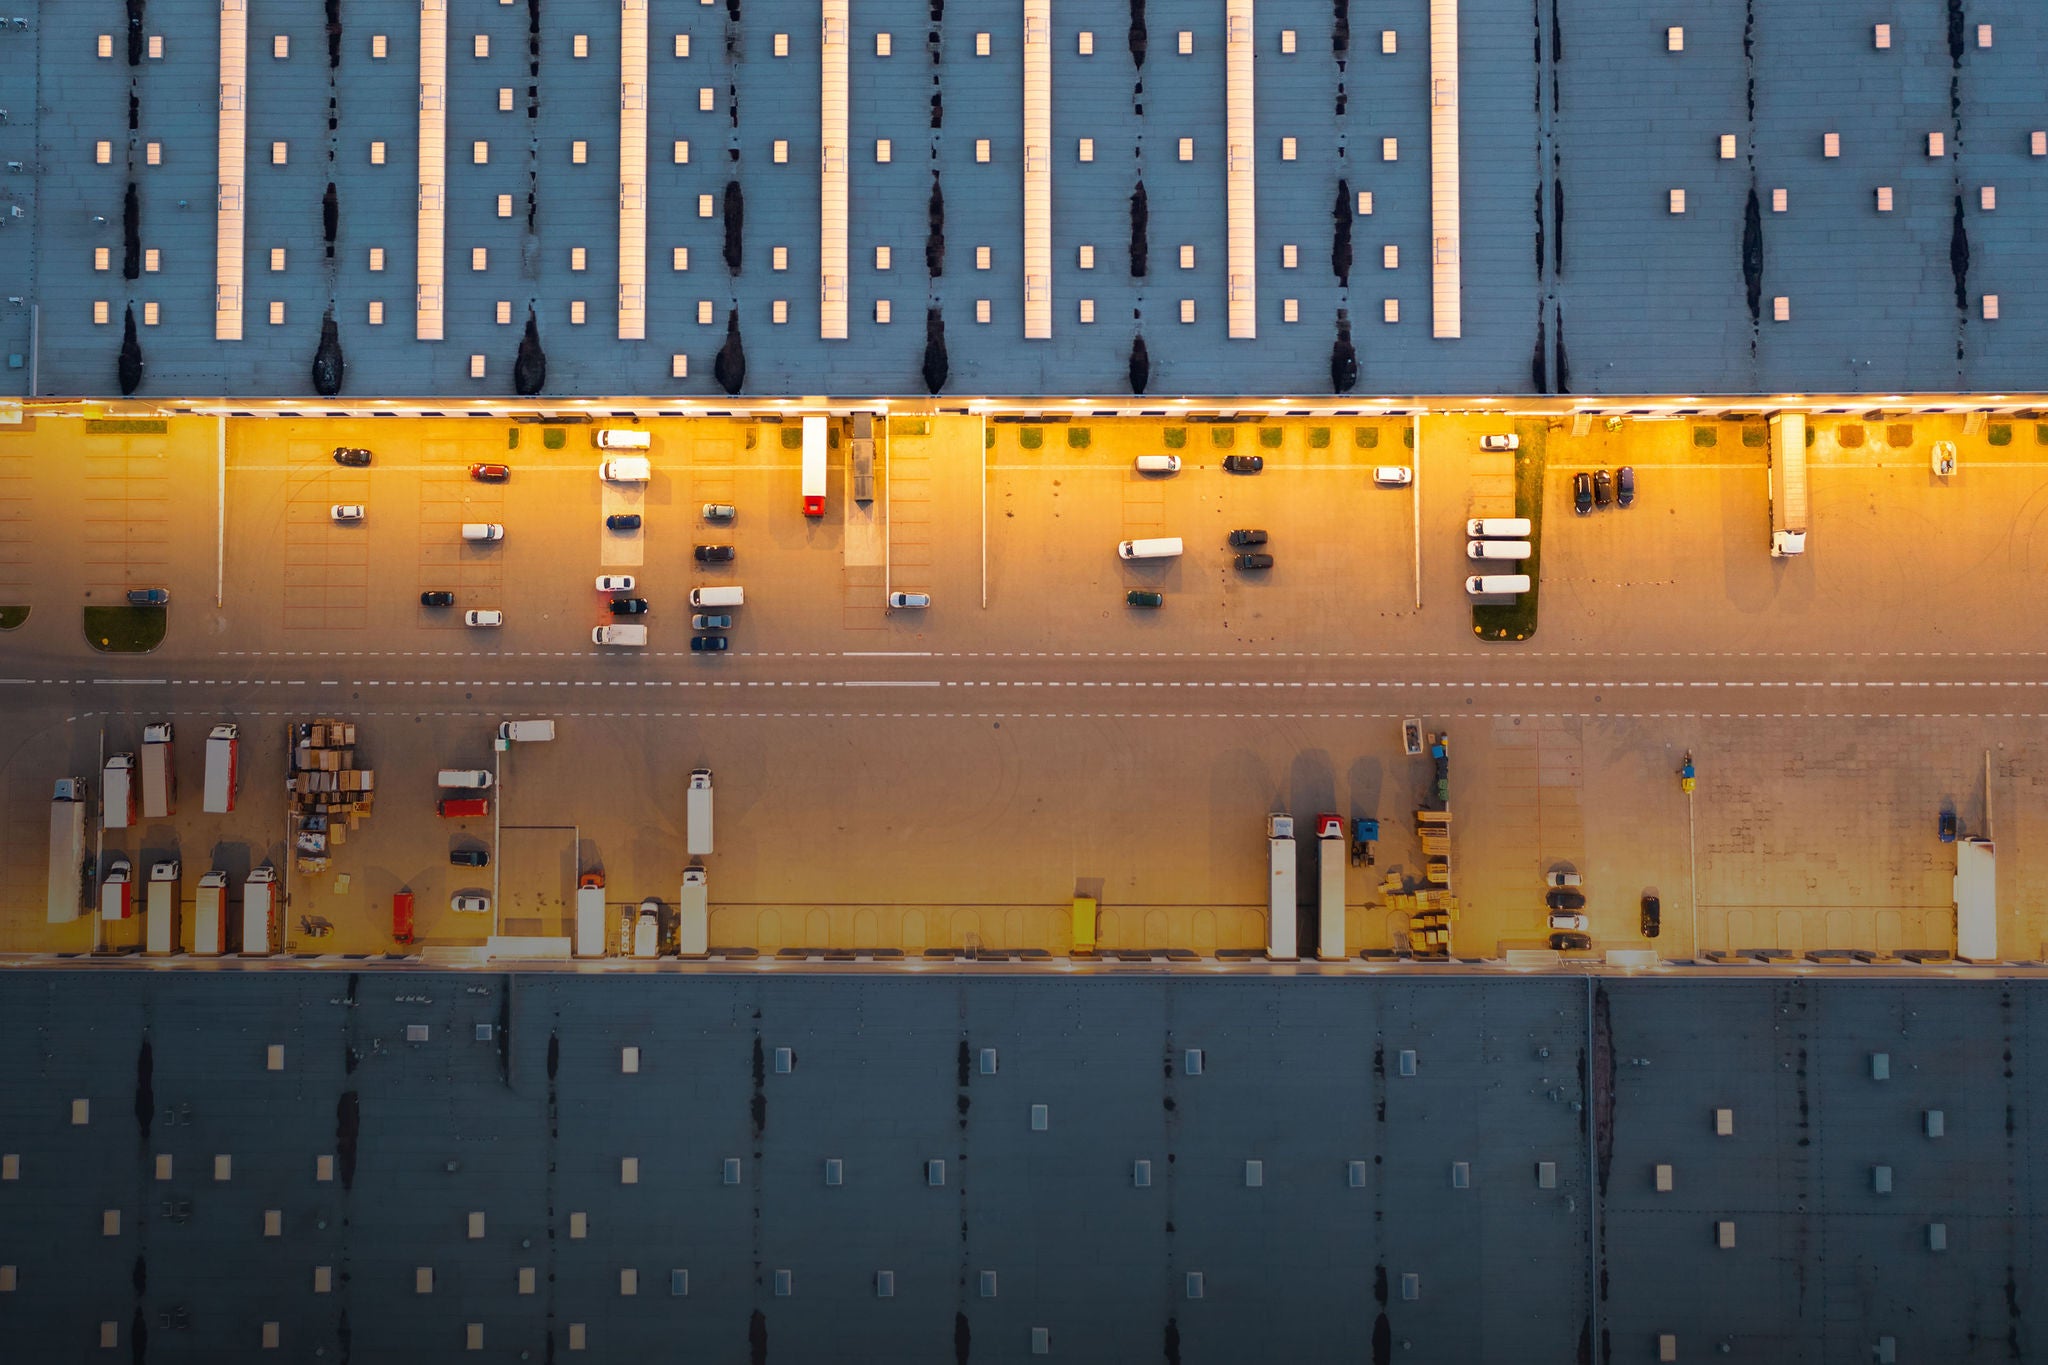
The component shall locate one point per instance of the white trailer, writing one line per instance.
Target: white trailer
(1976, 893)
(117, 792)
(814, 466)
(69, 881)
(259, 895)
(698, 839)
(1331, 855)
(1788, 484)
(590, 915)
(223, 754)
(162, 927)
(1282, 895)
(159, 774)
(117, 891)
(693, 914)
(212, 922)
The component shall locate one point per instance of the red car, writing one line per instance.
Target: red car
(459, 806)
(490, 473)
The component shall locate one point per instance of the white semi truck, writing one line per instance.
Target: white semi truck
(69, 881)
(1281, 895)
(1976, 893)
(1788, 484)
(162, 927)
(1330, 857)
(590, 915)
(212, 924)
(117, 891)
(698, 838)
(693, 914)
(223, 754)
(117, 792)
(159, 774)
(259, 898)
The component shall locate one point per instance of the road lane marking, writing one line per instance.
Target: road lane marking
(879, 682)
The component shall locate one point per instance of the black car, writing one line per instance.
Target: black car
(1582, 492)
(622, 521)
(1603, 488)
(1566, 941)
(1254, 561)
(1138, 597)
(1244, 538)
(1565, 900)
(470, 857)
(709, 644)
(715, 554)
(1653, 916)
(629, 606)
(1244, 464)
(1625, 485)
(437, 599)
(353, 456)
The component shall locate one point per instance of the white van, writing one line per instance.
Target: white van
(718, 597)
(1503, 528)
(619, 635)
(1160, 547)
(482, 530)
(626, 469)
(1498, 549)
(1159, 464)
(526, 729)
(1497, 584)
(623, 438)
(465, 777)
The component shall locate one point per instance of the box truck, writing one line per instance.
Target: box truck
(117, 891)
(159, 774)
(693, 914)
(590, 915)
(699, 837)
(1330, 855)
(1788, 484)
(526, 730)
(259, 896)
(117, 792)
(1976, 897)
(647, 930)
(69, 876)
(212, 927)
(814, 466)
(1282, 897)
(162, 926)
(223, 752)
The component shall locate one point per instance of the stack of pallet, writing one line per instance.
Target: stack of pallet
(1433, 828)
(1430, 915)
(330, 795)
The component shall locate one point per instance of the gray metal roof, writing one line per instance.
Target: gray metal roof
(1644, 300)
(529, 1126)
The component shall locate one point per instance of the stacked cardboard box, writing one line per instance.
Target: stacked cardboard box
(330, 795)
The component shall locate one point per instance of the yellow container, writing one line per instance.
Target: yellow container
(1084, 924)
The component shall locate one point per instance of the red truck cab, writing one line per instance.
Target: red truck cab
(457, 807)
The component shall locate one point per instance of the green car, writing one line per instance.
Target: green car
(1138, 598)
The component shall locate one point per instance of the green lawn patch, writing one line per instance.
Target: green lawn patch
(1517, 620)
(792, 438)
(1755, 437)
(1898, 435)
(1705, 437)
(1408, 435)
(512, 438)
(1031, 438)
(2000, 434)
(124, 629)
(2041, 433)
(11, 617)
(1269, 437)
(1318, 438)
(1176, 437)
(1849, 436)
(918, 426)
(988, 438)
(1078, 438)
(553, 438)
(126, 426)
(1222, 437)
(1365, 438)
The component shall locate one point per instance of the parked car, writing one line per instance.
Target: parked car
(483, 618)
(346, 511)
(1565, 899)
(910, 599)
(437, 598)
(629, 606)
(1568, 919)
(1603, 488)
(1500, 442)
(1393, 475)
(148, 597)
(720, 511)
(1138, 597)
(490, 473)
(1625, 485)
(1244, 464)
(1254, 561)
(470, 903)
(355, 457)
(1562, 879)
(1158, 464)
(1582, 492)
(703, 622)
(622, 521)
(1564, 942)
(1653, 916)
(615, 582)
(710, 644)
(715, 554)
(1247, 538)
(1946, 827)
(470, 857)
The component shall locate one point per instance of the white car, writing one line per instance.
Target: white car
(1568, 919)
(346, 511)
(910, 599)
(483, 618)
(1561, 879)
(1500, 442)
(1393, 475)
(470, 903)
(615, 582)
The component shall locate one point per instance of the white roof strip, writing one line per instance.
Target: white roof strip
(233, 150)
(1241, 183)
(1037, 169)
(427, 301)
(832, 173)
(1446, 278)
(632, 170)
